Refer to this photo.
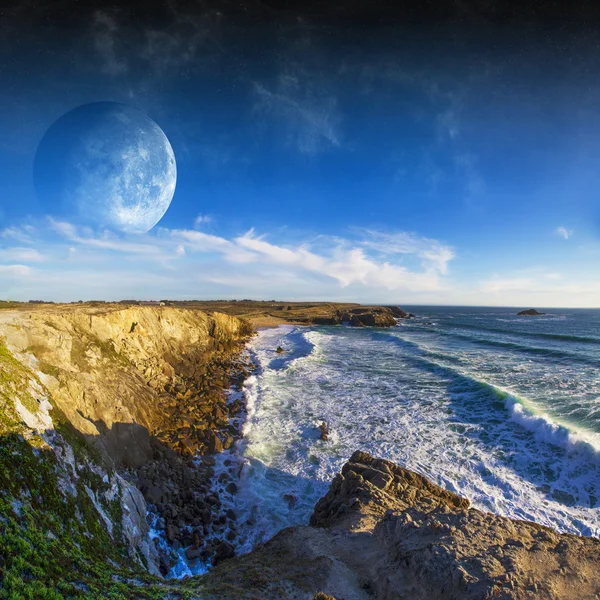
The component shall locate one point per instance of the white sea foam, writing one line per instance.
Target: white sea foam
(375, 395)
(546, 430)
(435, 404)
(249, 390)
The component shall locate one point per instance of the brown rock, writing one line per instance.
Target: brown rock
(214, 443)
(324, 431)
(224, 551)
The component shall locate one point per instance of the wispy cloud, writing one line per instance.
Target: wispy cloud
(202, 220)
(563, 232)
(22, 234)
(105, 30)
(308, 113)
(189, 36)
(21, 255)
(434, 255)
(191, 263)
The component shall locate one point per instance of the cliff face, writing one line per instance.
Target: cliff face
(386, 532)
(91, 399)
(120, 375)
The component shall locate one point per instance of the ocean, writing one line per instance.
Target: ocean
(502, 409)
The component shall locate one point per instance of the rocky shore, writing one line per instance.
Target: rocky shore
(178, 482)
(385, 532)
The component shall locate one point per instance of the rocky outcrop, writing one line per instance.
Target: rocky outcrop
(531, 312)
(386, 532)
(323, 431)
(363, 316)
(373, 319)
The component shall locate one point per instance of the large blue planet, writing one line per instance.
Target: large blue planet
(106, 164)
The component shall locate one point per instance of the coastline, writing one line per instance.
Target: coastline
(202, 516)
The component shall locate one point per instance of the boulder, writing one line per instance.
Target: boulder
(324, 431)
(214, 443)
(224, 551)
(191, 553)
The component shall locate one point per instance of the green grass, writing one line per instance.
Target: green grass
(54, 545)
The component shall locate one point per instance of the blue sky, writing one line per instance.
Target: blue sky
(450, 162)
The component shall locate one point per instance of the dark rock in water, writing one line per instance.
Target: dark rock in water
(290, 499)
(206, 516)
(232, 488)
(191, 553)
(231, 535)
(164, 566)
(172, 531)
(531, 312)
(223, 552)
(324, 429)
(280, 350)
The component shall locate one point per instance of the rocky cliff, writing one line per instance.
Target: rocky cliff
(101, 411)
(123, 375)
(388, 533)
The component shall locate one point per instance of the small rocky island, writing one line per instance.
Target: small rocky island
(530, 312)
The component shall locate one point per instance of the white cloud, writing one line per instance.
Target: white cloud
(202, 220)
(15, 270)
(65, 229)
(434, 255)
(366, 266)
(563, 232)
(107, 242)
(22, 234)
(182, 262)
(21, 255)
